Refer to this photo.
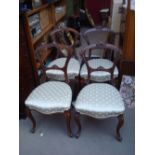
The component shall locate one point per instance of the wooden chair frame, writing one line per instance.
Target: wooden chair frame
(113, 50)
(53, 37)
(109, 52)
(67, 114)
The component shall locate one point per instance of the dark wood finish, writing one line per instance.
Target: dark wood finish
(129, 38)
(77, 120)
(119, 125)
(38, 53)
(115, 56)
(71, 37)
(129, 35)
(128, 68)
(67, 115)
(61, 36)
(30, 116)
(109, 51)
(65, 36)
(48, 47)
(26, 72)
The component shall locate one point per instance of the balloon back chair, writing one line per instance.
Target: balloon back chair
(100, 100)
(51, 96)
(99, 34)
(71, 37)
(102, 68)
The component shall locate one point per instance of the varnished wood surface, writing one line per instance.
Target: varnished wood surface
(129, 37)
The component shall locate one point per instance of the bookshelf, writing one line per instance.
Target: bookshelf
(38, 23)
(35, 26)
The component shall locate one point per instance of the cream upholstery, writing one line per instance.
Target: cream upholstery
(50, 97)
(98, 76)
(72, 70)
(99, 101)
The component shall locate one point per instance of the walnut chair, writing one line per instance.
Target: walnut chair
(71, 37)
(98, 34)
(100, 100)
(51, 96)
(103, 34)
(100, 69)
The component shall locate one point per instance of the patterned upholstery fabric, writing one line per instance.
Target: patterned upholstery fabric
(99, 100)
(72, 70)
(50, 97)
(98, 76)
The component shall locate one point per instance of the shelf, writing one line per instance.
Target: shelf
(42, 33)
(29, 13)
(59, 16)
(48, 19)
(44, 57)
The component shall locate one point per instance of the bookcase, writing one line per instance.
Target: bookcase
(34, 27)
(38, 23)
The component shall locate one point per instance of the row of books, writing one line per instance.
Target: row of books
(34, 23)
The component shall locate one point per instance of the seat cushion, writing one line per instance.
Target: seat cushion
(99, 100)
(50, 97)
(98, 76)
(73, 69)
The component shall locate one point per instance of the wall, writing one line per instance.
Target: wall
(94, 6)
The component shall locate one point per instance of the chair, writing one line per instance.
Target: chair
(51, 96)
(100, 100)
(99, 34)
(94, 69)
(66, 36)
(70, 37)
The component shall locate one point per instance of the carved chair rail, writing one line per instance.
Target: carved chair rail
(43, 48)
(115, 57)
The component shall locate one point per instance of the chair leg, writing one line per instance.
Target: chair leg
(119, 125)
(81, 83)
(67, 115)
(29, 114)
(77, 86)
(77, 120)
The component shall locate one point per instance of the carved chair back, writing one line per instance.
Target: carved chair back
(109, 51)
(99, 34)
(67, 36)
(46, 50)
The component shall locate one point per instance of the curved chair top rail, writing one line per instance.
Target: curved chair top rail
(66, 30)
(98, 29)
(57, 46)
(101, 45)
(107, 48)
(43, 48)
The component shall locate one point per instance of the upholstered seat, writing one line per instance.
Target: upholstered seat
(73, 69)
(98, 76)
(99, 101)
(50, 97)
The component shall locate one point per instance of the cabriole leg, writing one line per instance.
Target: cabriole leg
(30, 116)
(77, 120)
(119, 125)
(67, 115)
